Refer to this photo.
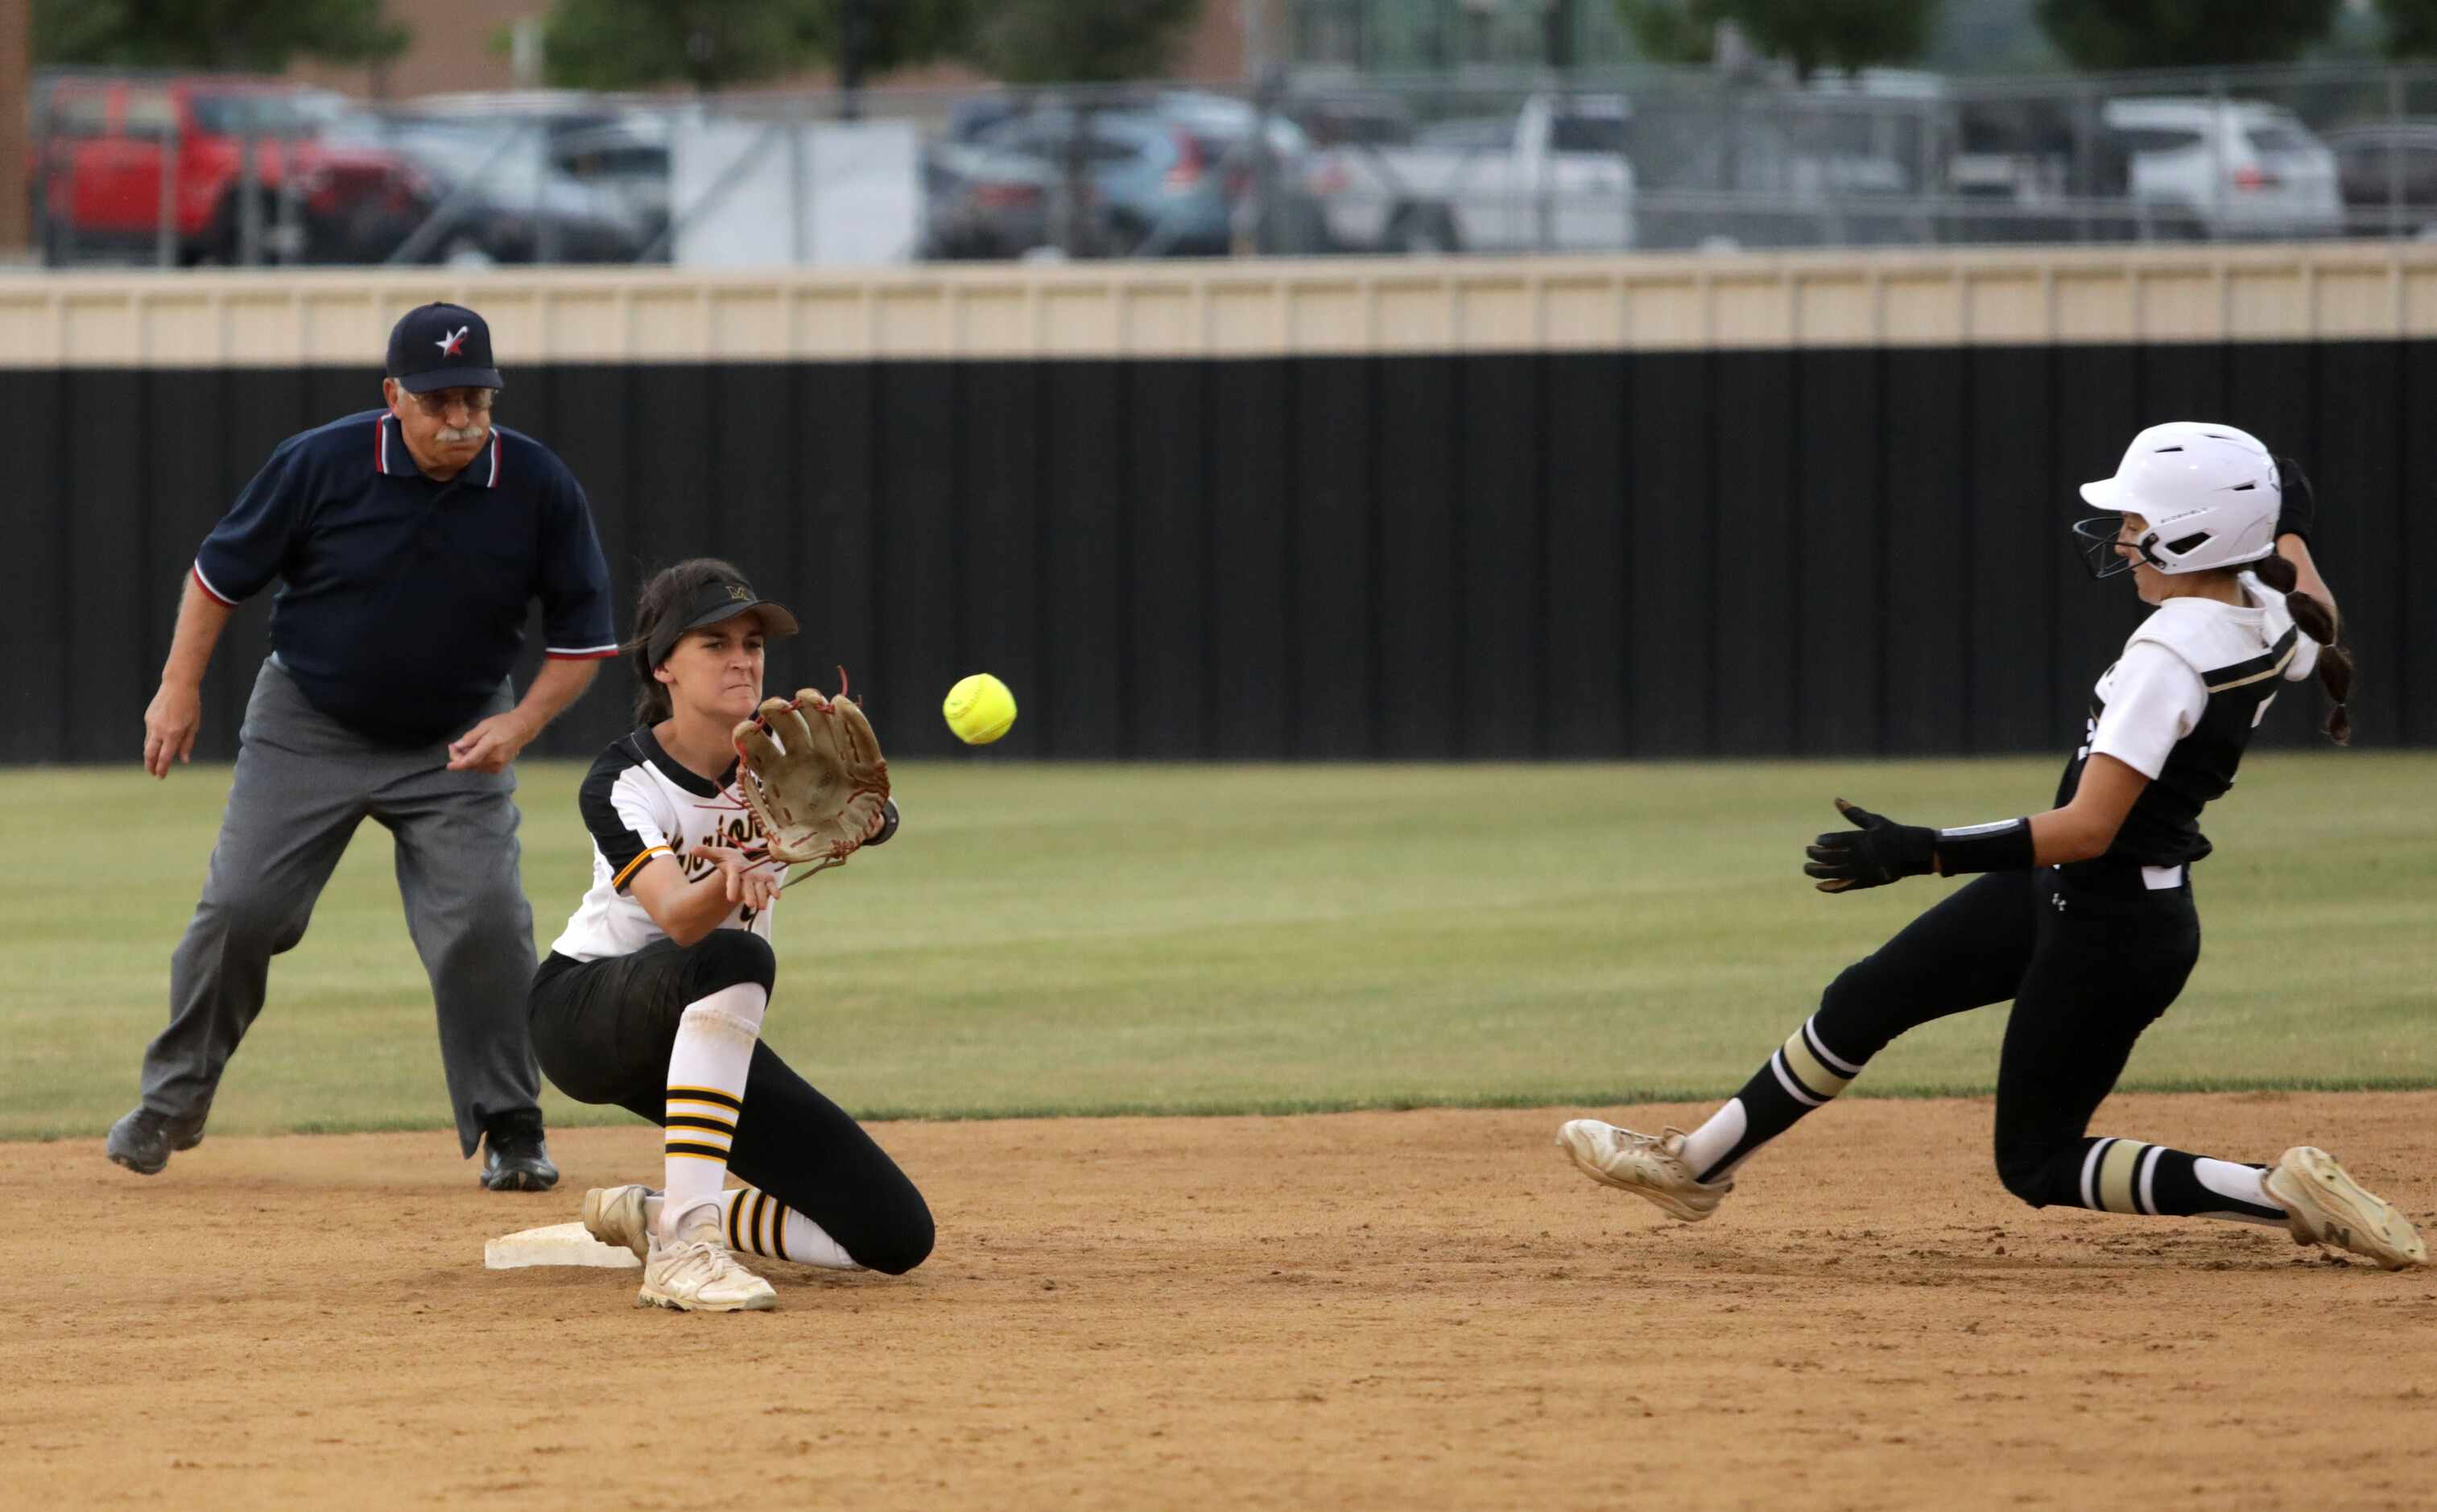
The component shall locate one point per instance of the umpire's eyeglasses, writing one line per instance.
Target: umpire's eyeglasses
(440, 402)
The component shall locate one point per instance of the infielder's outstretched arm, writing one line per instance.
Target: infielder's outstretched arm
(176, 712)
(686, 911)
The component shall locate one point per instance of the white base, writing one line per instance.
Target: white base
(558, 1244)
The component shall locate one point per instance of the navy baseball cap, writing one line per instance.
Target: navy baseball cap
(442, 347)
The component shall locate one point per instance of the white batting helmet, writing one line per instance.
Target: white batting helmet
(2208, 493)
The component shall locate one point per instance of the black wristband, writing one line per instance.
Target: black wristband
(888, 828)
(2005, 847)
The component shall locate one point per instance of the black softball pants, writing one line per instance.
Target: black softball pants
(2089, 956)
(602, 1030)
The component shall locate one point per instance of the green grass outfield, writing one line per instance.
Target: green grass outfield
(1078, 940)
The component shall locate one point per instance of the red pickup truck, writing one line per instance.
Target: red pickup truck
(108, 139)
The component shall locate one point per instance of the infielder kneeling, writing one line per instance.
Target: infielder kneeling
(2084, 916)
(652, 999)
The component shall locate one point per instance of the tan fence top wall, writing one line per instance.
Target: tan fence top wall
(2360, 290)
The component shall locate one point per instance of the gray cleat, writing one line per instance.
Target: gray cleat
(143, 1140)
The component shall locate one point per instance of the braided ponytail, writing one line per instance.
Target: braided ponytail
(2317, 622)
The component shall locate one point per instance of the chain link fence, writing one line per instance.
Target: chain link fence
(173, 170)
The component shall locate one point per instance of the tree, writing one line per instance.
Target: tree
(2410, 27)
(2116, 34)
(260, 36)
(1810, 34)
(1671, 31)
(712, 44)
(1077, 41)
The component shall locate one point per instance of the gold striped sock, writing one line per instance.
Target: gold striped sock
(1813, 1075)
(700, 1124)
(757, 1223)
(2110, 1176)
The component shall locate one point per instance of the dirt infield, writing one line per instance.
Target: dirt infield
(1374, 1309)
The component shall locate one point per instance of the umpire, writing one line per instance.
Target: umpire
(410, 543)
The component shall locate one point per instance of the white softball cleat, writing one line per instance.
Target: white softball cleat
(1651, 1167)
(2327, 1206)
(615, 1216)
(698, 1274)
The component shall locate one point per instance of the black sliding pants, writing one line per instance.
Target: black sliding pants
(602, 1030)
(2089, 957)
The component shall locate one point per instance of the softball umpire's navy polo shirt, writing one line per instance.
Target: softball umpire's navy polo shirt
(404, 600)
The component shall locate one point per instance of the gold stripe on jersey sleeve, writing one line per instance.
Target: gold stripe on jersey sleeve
(2116, 1169)
(618, 883)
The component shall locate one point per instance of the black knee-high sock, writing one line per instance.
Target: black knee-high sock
(1803, 1074)
(2128, 1176)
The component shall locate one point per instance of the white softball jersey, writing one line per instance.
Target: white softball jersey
(2157, 691)
(639, 803)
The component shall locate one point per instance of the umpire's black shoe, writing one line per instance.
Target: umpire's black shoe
(143, 1140)
(516, 1158)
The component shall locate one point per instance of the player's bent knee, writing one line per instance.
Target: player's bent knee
(905, 1244)
(730, 957)
(2029, 1171)
(1854, 1009)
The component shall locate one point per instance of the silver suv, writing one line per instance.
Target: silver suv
(2210, 167)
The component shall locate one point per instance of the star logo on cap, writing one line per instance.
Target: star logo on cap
(448, 344)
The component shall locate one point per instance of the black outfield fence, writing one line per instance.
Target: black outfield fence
(1721, 552)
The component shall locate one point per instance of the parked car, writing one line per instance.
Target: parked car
(1723, 173)
(1173, 174)
(2388, 176)
(1554, 176)
(490, 194)
(1354, 119)
(995, 205)
(621, 148)
(2035, 169)
(2210, 167)
(103, 145)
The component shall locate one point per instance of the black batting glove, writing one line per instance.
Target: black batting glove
(1879, 852)
(2299, 515)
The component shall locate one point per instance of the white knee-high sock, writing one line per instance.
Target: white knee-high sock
(758, 1223)
(707, 1069)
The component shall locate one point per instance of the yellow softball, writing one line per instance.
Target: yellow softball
(980, 709)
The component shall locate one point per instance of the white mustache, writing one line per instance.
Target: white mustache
(451, 435)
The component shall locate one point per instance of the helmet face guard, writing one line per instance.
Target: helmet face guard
(2095, 541)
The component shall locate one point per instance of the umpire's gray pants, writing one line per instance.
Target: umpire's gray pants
(303, 782)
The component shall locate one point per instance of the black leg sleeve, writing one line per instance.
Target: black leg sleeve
(1964, 952)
